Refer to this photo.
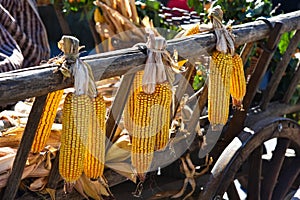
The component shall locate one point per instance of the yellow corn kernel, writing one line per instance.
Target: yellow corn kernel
(95, 151)
(194, 29)
(76, 119)
(45, 124)
(143, 134)
(219, 88)
(164, 95)
(237, 82)
(129, 107)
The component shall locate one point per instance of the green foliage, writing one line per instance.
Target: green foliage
(77, 5)
(200, 77)
(238, 10)
(198, 82)
(284, 41)
(86, 7)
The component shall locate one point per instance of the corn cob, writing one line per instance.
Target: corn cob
(45, 124)
(237, 82)
(129, 107)
(150, 126)
(219, 88)
(143, 135)
(95, 151)
(76, 117)
(164, 94)
(194, 29)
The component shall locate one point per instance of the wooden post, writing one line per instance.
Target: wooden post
(20, 160)
(118, 105)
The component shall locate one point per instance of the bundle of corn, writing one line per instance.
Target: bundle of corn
(226, 73)
(83, 131)
(119, 21)
(147, 112)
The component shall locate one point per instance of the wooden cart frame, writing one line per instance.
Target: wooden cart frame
(243, 145)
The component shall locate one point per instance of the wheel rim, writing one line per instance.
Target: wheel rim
(260, 185)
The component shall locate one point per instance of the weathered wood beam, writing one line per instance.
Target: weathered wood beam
(37, 81)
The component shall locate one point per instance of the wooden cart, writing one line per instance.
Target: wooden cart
(239, 153)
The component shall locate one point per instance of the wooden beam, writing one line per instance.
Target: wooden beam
(36, 81)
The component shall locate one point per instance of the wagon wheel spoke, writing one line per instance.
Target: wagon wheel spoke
(273, 168)
(263, 179)
(286, 179)
(254, 176)
(232, 192)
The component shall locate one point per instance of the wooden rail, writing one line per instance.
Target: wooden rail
(39, 80)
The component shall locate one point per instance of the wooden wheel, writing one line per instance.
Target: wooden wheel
(245, 162)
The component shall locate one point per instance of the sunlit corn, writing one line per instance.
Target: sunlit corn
(151, 121)
(95, 149)
(75, 126)
(164, 95)
(129, 107)
(144, 130)
(45, 124)
(194, 29)
(220, 70)
(237, 81)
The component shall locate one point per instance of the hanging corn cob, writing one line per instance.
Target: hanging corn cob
(76, 114)
(95, 153)
(83, 133)
(44, 128)
(219, 87)
(143, 135)
(164, 94)
(148, 108)
(237, 82)
(226, 73)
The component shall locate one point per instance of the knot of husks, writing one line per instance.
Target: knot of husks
(154, 71)
(83, 77)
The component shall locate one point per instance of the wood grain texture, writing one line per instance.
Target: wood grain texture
(14, 179)
(40, 80)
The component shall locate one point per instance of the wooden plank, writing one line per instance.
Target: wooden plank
(274, 166)
(21, 84)
(254, 175)
(14, 179)
(118, 105)
(182, 86)
(292, 88)
(246, 51)
(280, 70)
(232, 192)
(275, 109)
(286, 179)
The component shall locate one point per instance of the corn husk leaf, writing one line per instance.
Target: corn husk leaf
(38, 184)
(3, 179)
(124, 169)
(51, 192)
(79, 187)
(119, 151)
(88, 188)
